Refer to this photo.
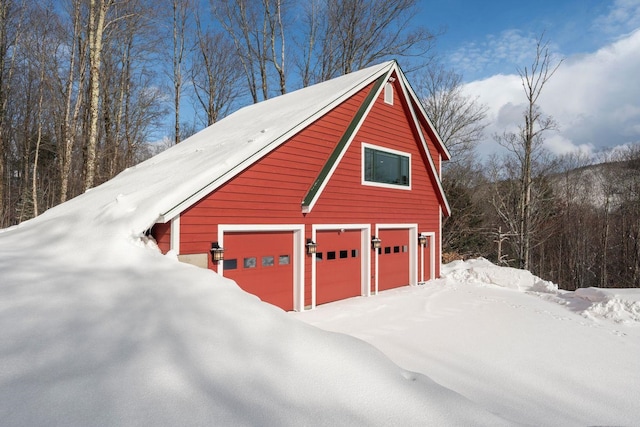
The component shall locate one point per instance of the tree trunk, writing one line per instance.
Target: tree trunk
(97, 12)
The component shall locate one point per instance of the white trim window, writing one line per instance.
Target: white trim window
(385, 167)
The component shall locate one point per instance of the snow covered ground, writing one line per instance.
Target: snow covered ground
(98, 328)
(509, 341)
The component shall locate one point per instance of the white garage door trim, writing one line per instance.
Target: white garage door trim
(365, 250)
(298, 252)
(413, 250)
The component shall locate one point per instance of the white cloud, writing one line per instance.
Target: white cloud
(623, 17)
(594, 98)
(508, 49)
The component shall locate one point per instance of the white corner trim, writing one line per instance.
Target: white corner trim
(431, 235)
(440, 241)
(174, 235)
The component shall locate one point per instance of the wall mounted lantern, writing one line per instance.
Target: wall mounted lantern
(422, 240)
(311, 246)
(375, 243)
(217, 252)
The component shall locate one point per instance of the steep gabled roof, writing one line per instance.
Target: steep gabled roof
(208, 159)
(162, 187)
(418, 117)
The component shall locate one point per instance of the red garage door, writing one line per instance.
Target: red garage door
(338, 265)
(393, 259)
(262, 264)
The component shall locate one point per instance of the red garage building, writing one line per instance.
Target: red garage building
(325, 193)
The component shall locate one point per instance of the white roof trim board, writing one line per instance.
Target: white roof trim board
(406, 88)
(423, 113)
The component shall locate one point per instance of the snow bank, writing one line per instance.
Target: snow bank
(481, 270)
(618, 305)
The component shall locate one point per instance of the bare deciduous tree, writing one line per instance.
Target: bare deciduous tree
(97, 14)
(181, 11)
(11, 27)
(258, 33)
(73, 89)
(459, 120)
(347, 35)
(526, 145)
(215, 73)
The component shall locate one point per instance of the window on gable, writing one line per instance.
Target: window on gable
(386, 167)
(388, 93)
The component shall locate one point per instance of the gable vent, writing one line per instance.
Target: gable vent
(388, 93)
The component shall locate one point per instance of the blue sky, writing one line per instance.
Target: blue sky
(594, 96)
(485, 38)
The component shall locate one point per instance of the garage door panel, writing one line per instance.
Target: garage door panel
(393, 259)
(262, 264)
(338, 265)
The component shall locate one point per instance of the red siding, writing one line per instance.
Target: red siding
(271, 190)
(162, 234)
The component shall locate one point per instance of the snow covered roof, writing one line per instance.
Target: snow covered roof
(173, 180)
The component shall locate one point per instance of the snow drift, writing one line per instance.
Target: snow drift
(99, 328)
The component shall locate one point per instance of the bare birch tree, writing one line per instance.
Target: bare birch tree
(73, 90)
(11, 27)
(97, 14)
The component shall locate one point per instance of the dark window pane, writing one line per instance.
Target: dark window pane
(318, 256)
(284, 260)
(344, 254)
(396, 249)
(354, 253)
(368, 164)
(230, 264)
(331, 255)
(387, 249)
(386, 168)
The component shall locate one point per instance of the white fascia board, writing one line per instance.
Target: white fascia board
(425, 147)
(423, 113)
